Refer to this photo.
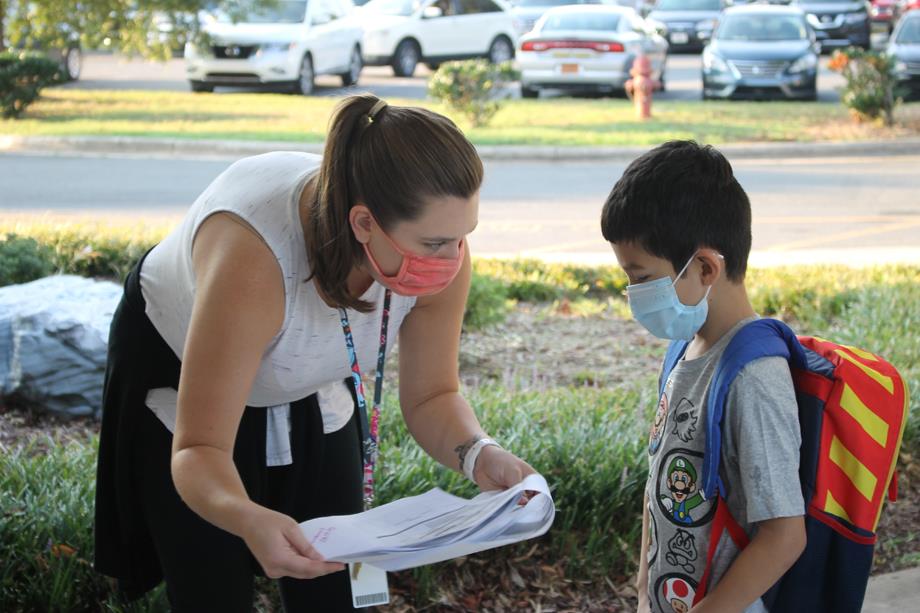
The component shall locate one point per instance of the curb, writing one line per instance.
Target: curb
(234, 148)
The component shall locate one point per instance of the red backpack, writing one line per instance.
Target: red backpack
(852, 411)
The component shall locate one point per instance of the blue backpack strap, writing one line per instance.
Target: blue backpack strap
(759, 339)
(675, 352)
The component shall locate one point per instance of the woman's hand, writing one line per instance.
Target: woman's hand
(497, 469)
(281, 548)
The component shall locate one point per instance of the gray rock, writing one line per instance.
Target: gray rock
(53, 339)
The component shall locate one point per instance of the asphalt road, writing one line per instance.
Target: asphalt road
(105, 71)
(848, 210)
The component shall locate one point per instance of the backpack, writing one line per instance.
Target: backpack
(852, 411)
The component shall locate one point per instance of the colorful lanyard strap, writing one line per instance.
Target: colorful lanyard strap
(368, 430)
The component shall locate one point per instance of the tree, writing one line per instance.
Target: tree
(150, 28)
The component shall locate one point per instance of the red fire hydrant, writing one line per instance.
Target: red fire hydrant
(640, 87)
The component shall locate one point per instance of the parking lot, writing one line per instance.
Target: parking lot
(106, 71)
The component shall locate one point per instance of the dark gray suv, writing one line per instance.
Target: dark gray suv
(687, 24)
(838, 23)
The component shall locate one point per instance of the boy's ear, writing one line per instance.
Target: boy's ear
(712, 265)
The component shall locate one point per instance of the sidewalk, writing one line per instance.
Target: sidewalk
(177, 147)
(898, 591)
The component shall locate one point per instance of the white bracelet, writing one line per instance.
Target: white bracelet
(469, 462)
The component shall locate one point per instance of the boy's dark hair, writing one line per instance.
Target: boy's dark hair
(677, 198)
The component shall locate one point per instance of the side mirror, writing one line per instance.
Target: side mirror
(320, 20)
(432, 12)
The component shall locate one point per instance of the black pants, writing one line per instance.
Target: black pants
(144, 532)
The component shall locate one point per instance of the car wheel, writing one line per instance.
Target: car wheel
(200, 87)
(73, 64)
(501, 50)
(354, 68)
(406, 58)
(433, 66)
(304, 83)
(529, 92)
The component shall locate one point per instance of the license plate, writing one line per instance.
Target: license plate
(680, 38)
(570, 68)
(570, 55)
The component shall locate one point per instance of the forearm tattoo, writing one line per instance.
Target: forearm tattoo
(464, 448)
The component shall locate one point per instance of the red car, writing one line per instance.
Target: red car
(886, 12)
(910, 5)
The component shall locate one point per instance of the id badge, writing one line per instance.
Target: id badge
(368, 585)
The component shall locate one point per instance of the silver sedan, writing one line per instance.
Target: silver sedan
(587, 48)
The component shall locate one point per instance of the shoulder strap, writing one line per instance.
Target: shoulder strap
(675, 352)
(758, 339)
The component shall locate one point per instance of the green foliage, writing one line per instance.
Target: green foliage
(153, 28)
(471, 87)
(22, 77)
(46, 515)
(871, 83)
(23, 259)
(487, 303)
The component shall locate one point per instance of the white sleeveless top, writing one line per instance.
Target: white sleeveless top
(308, 355)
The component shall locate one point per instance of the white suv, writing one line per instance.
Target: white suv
(291, 41)
(402, 33)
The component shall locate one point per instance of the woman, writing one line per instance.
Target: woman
(229, 408)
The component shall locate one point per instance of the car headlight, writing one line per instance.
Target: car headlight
(813, 20)
(807, 62)
(855, 17)
(713, 63)
(900, 67)
(275, 47)
(706, 24)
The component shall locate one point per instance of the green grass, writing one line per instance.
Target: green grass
(565, 122)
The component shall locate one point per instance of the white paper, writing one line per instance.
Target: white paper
(434, 526)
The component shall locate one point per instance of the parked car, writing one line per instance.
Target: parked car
(838, 23)
(885, 13)
(290, 42)
(527, 12)
(687, 24)
(585, 47)
(909, 5)
(761, 51)
(904, 47)
(402, 33)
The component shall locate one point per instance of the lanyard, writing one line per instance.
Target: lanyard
(368, 430)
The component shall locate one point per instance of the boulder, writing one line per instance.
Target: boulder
(53, 339)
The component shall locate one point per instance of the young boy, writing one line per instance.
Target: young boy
(680, 226)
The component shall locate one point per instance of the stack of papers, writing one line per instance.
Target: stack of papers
(434, 526)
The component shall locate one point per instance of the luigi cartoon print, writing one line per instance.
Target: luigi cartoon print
(679, 493)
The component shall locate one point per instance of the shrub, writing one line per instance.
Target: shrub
(23, 259)
(487, 303)
(471, 87)
(22, 77)
(869, 92)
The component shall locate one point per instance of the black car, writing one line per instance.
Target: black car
(838, 23)
(761, 51)
(904, 47)
(687, 24)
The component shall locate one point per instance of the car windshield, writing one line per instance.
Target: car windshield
(554, 2)
(595, 22)
(393, 7)
(762, 28)
(909, 33)
(281, 11)
(688, 5)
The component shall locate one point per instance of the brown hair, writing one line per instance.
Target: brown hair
(392, 164)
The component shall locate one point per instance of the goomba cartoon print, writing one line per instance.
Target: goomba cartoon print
(661, 417)
(675, 592)
(681, 499)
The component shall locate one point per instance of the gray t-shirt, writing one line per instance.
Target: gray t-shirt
(760, 458)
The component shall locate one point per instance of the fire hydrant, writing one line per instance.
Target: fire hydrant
(640, 87)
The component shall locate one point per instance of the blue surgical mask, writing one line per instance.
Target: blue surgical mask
(655, 305)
